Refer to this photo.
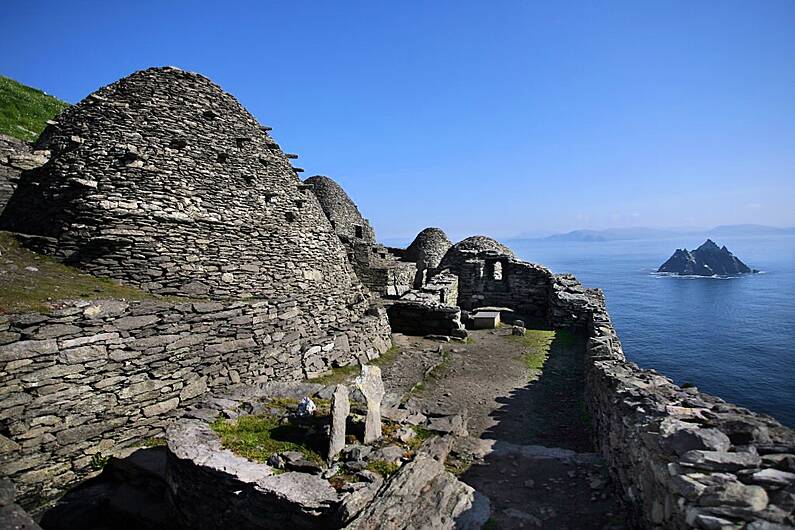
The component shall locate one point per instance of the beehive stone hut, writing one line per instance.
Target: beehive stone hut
(165, 181)
(345, 218)
(428, 248)
(378, 267)
(469, 248)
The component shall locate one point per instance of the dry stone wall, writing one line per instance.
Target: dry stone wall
(684, 459)
(490, 279)
(93, 377)
(166, 182)
(15, 157)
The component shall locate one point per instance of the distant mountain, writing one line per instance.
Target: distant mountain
(614, 234)
(707, 260)
(749, 230)
(624, 234)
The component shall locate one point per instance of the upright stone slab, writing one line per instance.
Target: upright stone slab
(372, 387)
(340, 408)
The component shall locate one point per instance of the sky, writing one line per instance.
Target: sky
(504, 118)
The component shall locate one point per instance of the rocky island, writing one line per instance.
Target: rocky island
(707, 260)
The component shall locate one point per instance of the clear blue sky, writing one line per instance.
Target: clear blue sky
(499, 117)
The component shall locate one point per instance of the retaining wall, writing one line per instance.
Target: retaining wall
(684, 459)
(94, 377)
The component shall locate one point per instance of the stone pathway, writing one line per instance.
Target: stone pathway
(528, 448)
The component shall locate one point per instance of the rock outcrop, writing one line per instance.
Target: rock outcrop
(424, 495)
(706, 260)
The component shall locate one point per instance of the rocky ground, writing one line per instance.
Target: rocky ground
(528, 447)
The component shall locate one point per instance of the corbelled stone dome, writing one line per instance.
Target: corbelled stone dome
(469, 248)
(165, 181)
(345, 217)
(428, 248)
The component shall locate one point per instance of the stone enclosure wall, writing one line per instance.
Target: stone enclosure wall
(93, 377)
(15, 157)
(490, 279)
(684, 459)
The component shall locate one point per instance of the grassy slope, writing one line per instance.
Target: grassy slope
(24, 111)
(32, 282)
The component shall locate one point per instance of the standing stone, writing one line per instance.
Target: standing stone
(340, 408)
(372, 387)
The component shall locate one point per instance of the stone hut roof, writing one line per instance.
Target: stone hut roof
(428, 248)
(471, 247)
(165, 181)
(345, 217)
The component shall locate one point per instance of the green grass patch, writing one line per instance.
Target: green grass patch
(537, 344)
(383, 468)
(24, 111)
(420, 435)
(346, 374)
(154, 441)
(33, 282)
(340, 375)
(259, 437)
(387, 357)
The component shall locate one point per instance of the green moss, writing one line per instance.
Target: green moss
(536, 343)
(420, 435)
(387, 357)
(346, 374)
(259, 437)
(154, 442)
(32, 282)
(383, 468)
(98, 461)
(24, 111)
(336, 376)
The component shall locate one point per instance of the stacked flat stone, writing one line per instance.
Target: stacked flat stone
(428, 248)
(378, 267)
(16, 156)
(348, 222)
(684, 459)
(166, 182)
(470, 247)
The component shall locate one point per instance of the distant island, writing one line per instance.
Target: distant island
(707, 260)
(639, 232)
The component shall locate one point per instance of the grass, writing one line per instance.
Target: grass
(154, 441)
(259, 437)
(435, 373)
(23, 289)
(536, 343)
(420, 435)
(24, 111)
(345, 374)
(383, 468)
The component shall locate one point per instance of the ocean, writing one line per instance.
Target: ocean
(731, 337)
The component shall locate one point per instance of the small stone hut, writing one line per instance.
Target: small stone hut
(166, 182)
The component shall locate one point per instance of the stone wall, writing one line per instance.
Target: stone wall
(684, 459)
(414, 317)
(93, 377)
(164, 181)
(15, 157)
(386, 276)
(490, 279)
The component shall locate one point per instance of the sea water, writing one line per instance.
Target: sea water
(731, 337)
